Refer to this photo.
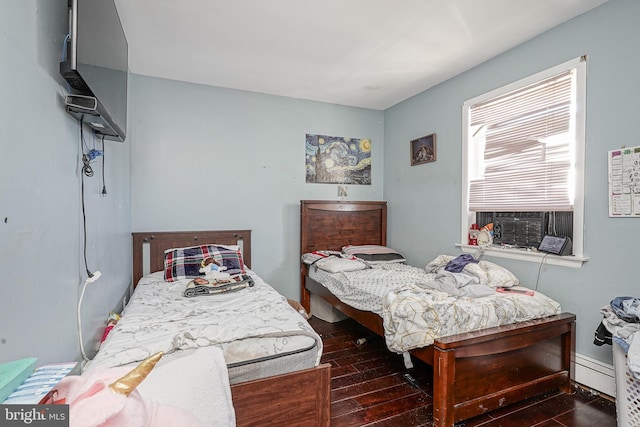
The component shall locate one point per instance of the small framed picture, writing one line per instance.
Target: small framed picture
(423, 150)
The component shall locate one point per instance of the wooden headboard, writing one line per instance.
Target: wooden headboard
(160, 241)
(330, 225)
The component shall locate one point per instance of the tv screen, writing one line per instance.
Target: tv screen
(96, 63)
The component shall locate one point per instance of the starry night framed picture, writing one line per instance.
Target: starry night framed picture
(337, 160)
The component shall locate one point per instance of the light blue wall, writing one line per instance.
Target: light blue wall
(212, 158)
(40, 212)
(215, 158)
(425, 200)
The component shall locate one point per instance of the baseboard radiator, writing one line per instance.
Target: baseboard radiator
(595, 375)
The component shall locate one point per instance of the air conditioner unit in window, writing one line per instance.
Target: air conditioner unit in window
(519, 228)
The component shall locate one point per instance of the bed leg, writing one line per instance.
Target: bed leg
(305, 300)
(305, 295)
(569, 356)
(443, 387)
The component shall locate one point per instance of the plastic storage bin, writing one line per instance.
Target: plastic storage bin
(627, 390)
(325, 311)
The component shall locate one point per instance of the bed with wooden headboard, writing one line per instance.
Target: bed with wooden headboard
(473, 372)
(296, 398)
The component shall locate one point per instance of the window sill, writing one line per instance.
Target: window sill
(527, 255)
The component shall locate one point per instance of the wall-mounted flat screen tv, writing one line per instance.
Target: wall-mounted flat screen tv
(95, 67)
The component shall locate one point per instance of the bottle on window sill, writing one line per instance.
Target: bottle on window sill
(473, 234)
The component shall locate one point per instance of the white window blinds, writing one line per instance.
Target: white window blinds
(521, 148)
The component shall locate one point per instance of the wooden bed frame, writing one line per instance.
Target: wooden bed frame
(474, 372)
(296, 398)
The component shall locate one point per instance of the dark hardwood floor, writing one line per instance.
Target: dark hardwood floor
(371, 387)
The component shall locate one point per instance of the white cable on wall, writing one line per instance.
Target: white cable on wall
(90, 279)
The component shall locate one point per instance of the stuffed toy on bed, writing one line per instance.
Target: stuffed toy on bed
(213, 270)
(107, 397)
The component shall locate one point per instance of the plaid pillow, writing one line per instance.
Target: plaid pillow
(185, 263)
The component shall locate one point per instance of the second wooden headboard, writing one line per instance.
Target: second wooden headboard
(330, 225)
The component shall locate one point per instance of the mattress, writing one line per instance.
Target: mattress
(259, 333)
(366, 289)
(275, 364)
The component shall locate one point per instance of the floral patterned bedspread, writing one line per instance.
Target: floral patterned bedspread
(415, 315)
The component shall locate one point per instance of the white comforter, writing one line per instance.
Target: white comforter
(451, 303)
(415, 315)
(159, 318)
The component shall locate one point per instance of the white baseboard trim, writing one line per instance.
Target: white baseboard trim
(595, 375)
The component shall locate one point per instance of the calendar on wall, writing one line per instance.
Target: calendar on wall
(624, 182)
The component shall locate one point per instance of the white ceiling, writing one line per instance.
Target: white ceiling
(363, 53)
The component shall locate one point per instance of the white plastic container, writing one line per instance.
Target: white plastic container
(324, 311)
(627, 390)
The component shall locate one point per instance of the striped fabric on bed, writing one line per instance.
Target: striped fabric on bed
(185, 263)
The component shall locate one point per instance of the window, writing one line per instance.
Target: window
(523, 156)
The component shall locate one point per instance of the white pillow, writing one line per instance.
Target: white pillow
(204, 392)
(337, 265)
(499, 277)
